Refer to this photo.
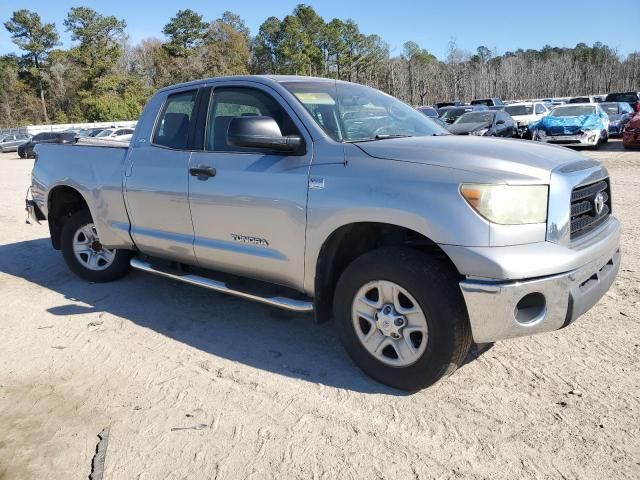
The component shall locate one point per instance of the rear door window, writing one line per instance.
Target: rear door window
(172, 129)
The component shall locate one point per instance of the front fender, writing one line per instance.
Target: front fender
(421, 198)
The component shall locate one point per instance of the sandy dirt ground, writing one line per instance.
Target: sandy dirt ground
(192, 384)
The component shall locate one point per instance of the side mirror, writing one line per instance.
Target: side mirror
(261, 132)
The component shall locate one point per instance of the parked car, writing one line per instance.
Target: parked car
(455, 103)
(585, 99)
(121, 134)
(492, 103)
(581, 124)
(619, 114)
(442, 110)
(452, 113)
(632, 98)
(11, 142)
(490, 123)
(416, 242)
(428, 111)
(524, 113)
(26, 150)
(89, 132)
(631, 134)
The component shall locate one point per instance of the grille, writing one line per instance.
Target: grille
(584, 217)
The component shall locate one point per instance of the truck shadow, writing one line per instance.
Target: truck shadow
(252, 334)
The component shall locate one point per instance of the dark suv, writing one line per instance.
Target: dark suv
(26, 149)
(632, 98)
(492, 103)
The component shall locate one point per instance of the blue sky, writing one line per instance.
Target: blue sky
(501, 25)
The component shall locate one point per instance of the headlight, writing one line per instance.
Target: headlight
(508, 204)
(482, 131)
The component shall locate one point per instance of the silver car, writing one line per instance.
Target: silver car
(11, 142)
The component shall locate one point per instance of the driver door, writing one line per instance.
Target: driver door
(249, 209)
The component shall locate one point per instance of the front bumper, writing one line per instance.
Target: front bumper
(631, 137)
(581, 139)
(33, 211)
(496, 309)
(615, 130)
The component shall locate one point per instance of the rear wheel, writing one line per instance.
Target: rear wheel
(85, 255)
(402, 318)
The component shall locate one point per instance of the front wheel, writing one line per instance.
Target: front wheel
(402, 317)
(85, 255)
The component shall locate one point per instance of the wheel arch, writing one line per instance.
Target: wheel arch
(62, 202)
(348, 242)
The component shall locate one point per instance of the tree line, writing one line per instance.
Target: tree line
(103, 77)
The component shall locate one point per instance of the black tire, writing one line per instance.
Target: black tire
(117, 269)
(434, 285)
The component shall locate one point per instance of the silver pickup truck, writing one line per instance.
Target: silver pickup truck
(326, 196)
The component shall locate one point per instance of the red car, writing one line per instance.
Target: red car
(631, 135)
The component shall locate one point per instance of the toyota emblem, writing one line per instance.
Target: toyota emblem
(599, 203)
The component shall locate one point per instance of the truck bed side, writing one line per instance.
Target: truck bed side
(96, 173)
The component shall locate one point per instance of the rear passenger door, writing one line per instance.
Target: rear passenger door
(157, 183)
(249, 216)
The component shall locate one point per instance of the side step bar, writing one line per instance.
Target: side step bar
(218, 286)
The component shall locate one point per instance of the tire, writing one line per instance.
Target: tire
(101, 265)
(434, 286)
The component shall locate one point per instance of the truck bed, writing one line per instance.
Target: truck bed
(96, 171)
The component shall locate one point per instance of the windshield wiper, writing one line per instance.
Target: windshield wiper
(385, 136)
(378, 137)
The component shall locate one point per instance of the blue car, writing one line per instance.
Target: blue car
(579, 125)
(620, 114)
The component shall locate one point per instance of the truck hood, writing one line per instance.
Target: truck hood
(505, 160)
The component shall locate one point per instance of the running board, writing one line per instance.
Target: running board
(218, 286)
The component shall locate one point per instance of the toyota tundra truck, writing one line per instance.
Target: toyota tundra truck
(316, 195)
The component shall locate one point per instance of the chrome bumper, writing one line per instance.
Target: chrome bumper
(496, 314)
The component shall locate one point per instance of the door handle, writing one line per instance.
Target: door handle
(203, 172)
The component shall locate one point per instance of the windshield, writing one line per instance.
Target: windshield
(611, 108)
(452, 114)
(519, 109)
(105, 133)
(573, 111)
(351, 113)
(476, 117)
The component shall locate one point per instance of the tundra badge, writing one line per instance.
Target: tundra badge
(250, 240)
